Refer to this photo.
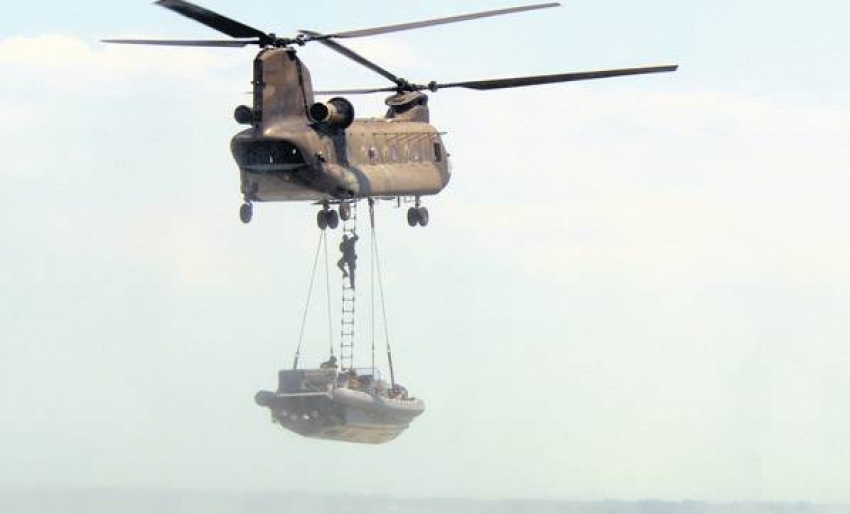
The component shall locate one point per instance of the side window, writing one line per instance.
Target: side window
(381, 148)
(438, 152)
(373, 155)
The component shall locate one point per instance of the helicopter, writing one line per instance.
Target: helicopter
(298, 149)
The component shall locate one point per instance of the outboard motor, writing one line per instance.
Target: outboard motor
(338, 113)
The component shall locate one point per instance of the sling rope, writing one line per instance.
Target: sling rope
(323, 242)
(377, 260)
(372, 276)
(328, 293)
(307, 306)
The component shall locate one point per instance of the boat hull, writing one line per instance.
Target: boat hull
(340, 413)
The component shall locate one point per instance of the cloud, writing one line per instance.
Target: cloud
(68, 64)
(634, 180)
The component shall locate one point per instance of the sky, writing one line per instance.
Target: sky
(632, 288)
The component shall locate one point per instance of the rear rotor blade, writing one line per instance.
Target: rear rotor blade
(181, 42)
(430, 23)
(351, 54)
(485, 85)
(213, 20)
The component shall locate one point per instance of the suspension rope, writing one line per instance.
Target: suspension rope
(372, 276)
(309, 297)
(328, 293)
(381, 290)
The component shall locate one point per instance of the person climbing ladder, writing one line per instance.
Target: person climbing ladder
(348, 262)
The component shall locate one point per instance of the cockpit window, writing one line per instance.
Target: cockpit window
(271, 152)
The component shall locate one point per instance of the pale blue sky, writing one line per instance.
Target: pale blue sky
(631, 288)
(793, 46)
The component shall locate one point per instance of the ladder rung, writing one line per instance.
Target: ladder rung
(348, 316)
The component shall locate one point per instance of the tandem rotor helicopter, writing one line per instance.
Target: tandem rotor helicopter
(297, 149)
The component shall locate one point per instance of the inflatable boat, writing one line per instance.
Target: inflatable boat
(352, 407)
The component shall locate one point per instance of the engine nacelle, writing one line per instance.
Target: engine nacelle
(244, 115)
(338, 113)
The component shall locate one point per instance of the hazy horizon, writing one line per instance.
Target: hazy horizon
(145, 501)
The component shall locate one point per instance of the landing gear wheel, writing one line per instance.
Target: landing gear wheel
(344, 211)
(424, 217)
(333, 219)
(413, 216)
(322, 220)
(246, 212)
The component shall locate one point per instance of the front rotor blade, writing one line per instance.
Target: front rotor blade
(430, 23)
(484, 85)
(182, 42)
(355, 91)
(213, 20)
(351, 54)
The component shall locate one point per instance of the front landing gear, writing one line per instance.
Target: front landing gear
(418, 215)
(326, 218)
(345, 211)
(246, 212)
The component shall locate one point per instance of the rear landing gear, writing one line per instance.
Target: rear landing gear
(246, 212)
(418, 215)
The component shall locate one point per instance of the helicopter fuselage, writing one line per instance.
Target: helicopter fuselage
(301, 150)
(372, 158)
(287, 155)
